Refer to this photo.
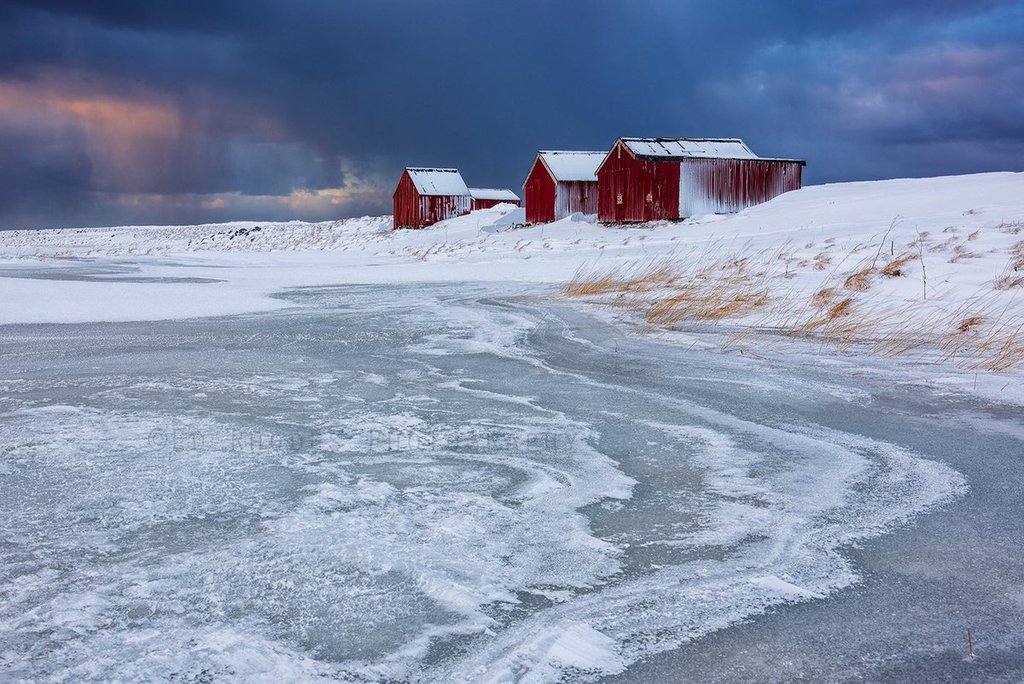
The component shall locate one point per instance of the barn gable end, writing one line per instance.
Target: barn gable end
(632, 190)
(539, 192)
(561, 183)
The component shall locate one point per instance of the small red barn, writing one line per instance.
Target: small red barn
(485, 198)
(560, 184)
(425, 196)
(652, 179)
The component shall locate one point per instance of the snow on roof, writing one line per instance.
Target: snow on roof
(670, 149)
(494, 194)
(438, 181)
(572, 166)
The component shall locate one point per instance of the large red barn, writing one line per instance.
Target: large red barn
(425, 196)
(485, 198)
(561, 183)
(652, 179)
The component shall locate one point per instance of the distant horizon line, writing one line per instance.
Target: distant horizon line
(112, 226)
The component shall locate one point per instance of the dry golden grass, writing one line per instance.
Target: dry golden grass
(859, 281)
(841, 309)
(1017, 256)
(982, 333)
(1008, 282)
(1013, 276)
(1006, 352)
(894, 268)
(666, 293)
(712, 304)
(828, 323)
(823, 297)
(635, 278)
(960, 252)
(969, 323)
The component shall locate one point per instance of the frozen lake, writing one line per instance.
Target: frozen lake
(470, 482)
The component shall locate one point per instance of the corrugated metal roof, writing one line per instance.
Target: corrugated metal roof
(572, 166)
(494, 194)
(438, 181)
(676, 148)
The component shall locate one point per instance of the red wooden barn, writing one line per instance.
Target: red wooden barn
(485, 198)
(561, 183)
(651, 179)
(425, 196)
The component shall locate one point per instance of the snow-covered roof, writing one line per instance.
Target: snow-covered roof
(572, 166)
(669, 149)
(719, 148)
(438, 181)
(494, 194)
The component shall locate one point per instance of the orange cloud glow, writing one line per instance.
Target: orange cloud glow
(125, 136)
(121, 117)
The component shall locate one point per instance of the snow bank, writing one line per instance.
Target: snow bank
(237, 236)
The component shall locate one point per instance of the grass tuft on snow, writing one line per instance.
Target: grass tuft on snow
(981, 331)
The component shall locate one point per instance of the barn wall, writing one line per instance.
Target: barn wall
(434, 208)
(723, 186)
(632, 190)
(539, 191)
(406, 204)
(575, 196)
(488, 203)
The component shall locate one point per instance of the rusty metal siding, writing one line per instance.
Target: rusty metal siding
(724, 186)
(434, 208)
(575, 196)
(539, 190)
(412, 210)
(633, 190)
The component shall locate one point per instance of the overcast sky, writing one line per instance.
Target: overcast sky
(181, 112)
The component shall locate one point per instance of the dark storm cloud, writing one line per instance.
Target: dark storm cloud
(208, 111)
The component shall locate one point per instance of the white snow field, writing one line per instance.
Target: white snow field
(332, 451)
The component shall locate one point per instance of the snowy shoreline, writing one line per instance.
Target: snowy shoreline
(913, 262)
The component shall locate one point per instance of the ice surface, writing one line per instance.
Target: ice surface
(449, 482)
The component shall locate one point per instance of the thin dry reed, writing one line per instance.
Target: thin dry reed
(981, 333)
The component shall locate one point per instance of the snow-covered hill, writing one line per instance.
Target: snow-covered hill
(249, 236)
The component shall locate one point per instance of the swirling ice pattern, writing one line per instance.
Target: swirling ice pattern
(437, 519)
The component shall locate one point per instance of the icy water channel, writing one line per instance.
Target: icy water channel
(472, 483)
